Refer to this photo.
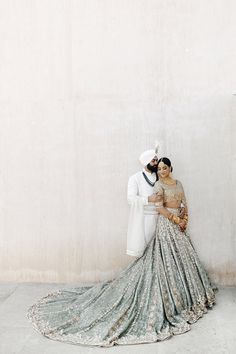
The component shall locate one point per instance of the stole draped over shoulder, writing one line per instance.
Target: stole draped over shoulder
(158, 295)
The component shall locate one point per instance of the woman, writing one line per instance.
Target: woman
(159, 294)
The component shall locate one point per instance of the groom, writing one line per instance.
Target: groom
(143, 215)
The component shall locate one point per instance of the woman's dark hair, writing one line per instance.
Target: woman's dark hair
(166, 161)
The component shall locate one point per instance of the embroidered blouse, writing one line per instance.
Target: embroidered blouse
(170, 193)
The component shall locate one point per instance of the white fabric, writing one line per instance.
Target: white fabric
(143, 215)
(147, 157)
(135, 236)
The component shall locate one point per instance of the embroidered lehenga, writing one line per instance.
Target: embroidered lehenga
(158, 295)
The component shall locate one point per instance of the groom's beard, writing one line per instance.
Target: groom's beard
(152, 168)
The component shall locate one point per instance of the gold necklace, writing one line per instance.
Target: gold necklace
(169, 184)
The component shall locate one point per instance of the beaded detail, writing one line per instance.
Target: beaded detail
(158, 295)
(170, 193)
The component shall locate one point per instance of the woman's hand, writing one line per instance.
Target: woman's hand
(182, 225)
(182, 212)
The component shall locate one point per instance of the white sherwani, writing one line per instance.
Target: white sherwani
(143, 215)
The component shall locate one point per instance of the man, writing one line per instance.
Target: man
(143, 214)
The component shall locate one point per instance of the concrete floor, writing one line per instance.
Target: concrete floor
(214, 333)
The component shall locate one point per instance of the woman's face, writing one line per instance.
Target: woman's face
(163, 170)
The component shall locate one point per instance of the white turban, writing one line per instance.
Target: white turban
(147, 157)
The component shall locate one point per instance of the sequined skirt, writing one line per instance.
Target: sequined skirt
(158, 295)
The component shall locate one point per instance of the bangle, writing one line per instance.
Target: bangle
(176, 219)
(185, 219)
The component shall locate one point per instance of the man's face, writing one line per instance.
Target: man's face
(152, 166)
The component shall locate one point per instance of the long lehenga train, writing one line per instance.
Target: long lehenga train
(157, 295)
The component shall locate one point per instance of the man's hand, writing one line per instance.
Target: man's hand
(153, 198)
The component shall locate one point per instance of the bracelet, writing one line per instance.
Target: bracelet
(185, 223)
(174, 218)
(185, 218)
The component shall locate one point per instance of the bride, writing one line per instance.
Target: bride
(158, 295)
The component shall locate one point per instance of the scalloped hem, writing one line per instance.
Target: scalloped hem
(189, 316)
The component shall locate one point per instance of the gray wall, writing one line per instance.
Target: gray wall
(85, 87)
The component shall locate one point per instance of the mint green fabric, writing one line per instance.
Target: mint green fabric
(158, 295)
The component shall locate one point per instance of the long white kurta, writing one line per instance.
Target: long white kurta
(143, 215)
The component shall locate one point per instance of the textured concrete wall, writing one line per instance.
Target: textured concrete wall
(86, 86)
